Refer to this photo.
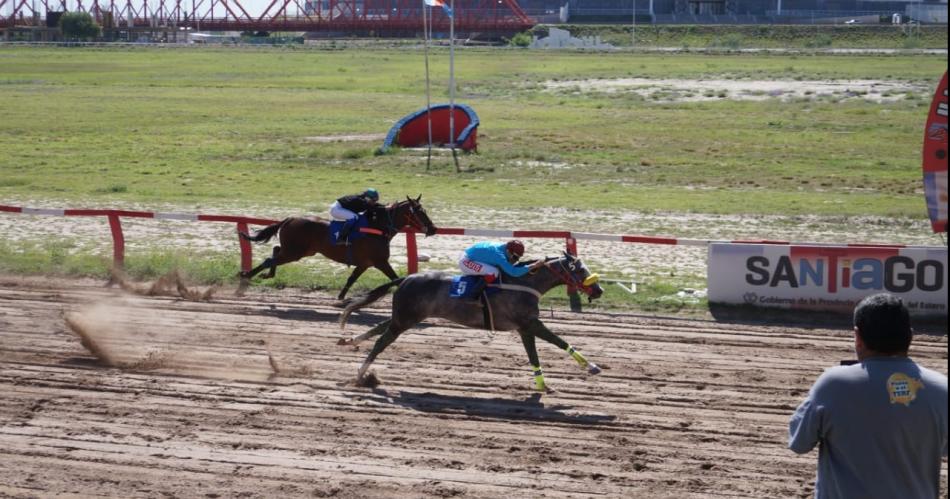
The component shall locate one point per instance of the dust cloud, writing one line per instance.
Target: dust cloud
(141, 334)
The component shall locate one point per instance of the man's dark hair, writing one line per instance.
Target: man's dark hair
(883, 323)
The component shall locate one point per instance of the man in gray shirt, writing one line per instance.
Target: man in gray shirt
(882, 422)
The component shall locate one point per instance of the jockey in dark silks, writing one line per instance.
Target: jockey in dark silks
(349, 208)
(489, 259)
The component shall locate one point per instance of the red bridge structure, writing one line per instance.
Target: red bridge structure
(380, 18)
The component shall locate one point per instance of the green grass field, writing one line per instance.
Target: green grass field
(804, 36)
(235, 126)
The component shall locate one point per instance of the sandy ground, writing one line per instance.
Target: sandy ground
(252, 397)
(686, 90)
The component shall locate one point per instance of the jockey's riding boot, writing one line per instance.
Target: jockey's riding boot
(478, 289)
(344, 236)
(481, 285)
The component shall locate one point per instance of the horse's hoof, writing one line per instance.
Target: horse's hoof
(593, 369)
(344, 341)
(368, 381)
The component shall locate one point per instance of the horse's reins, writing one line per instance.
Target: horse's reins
(565, 275)
(517, 287)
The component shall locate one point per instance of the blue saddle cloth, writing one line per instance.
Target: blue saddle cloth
(464, 285)
(337, 225)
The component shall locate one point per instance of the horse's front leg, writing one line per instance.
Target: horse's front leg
(387, 269)
(388, 336)
(538, 328)
(357, 272)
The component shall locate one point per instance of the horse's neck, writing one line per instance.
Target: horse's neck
(394, 217)
(383, 219)
(543, 280)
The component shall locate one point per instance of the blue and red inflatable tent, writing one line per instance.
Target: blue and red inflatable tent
(413, 130)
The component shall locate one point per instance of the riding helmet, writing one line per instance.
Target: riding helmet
(372, 194)
(515, 247)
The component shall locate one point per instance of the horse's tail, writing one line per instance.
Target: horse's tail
(265, 234)
(367, 299)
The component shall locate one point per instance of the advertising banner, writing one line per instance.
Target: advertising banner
(832, 278)
(935, 158)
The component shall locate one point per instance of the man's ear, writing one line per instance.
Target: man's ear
(858, 342)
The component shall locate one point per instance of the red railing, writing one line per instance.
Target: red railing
(242, 222)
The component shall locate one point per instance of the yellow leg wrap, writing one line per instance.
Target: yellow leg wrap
(578, 357)
(539, 379)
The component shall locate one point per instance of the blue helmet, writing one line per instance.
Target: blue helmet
(372, 194)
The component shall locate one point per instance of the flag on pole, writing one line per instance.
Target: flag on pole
(440, 3)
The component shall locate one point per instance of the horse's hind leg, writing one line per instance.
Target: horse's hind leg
(537, 328)
(267, 263)
(377, 330)
(272, 259)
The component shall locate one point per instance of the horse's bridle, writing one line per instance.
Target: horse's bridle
(565, 272)
(412, 218)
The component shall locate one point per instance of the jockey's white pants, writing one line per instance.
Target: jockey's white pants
(340, 213)
(471, 267)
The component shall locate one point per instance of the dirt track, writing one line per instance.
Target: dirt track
(685, 408)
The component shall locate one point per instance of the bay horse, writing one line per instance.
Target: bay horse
(514, 307)
(306, 236)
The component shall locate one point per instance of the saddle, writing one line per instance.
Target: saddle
(468, 287)
(360, 229)
(472, 287)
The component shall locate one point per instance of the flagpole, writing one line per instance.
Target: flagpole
(452, 84)
(425, 36)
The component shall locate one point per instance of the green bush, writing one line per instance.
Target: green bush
(522, 39)
(819, 41)
(912, 43)
(731, 41)
(78, 26)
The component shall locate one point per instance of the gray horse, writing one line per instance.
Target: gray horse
(515, 307)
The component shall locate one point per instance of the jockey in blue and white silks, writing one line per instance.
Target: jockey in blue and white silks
(489, 259)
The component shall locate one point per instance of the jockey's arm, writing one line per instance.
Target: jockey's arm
(513, 270)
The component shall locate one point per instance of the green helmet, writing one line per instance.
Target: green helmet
(372, 194)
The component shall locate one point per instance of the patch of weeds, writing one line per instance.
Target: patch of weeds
(819, 41)
(13, 182)
(112, 189)
(356, 153)
(391, 151)
(912, 43)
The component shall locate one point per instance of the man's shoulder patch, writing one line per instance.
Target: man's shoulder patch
(902, 389)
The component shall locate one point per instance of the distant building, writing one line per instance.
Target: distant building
(737, 11)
